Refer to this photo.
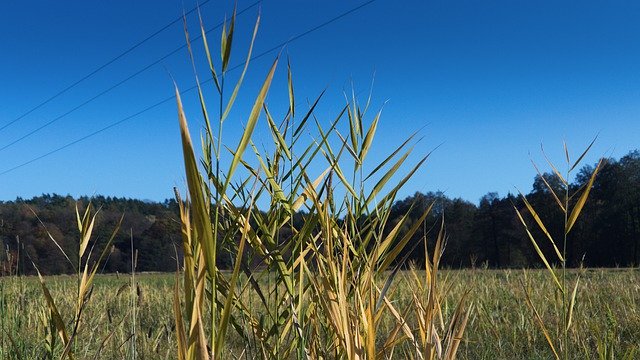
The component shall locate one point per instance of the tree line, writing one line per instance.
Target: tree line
(488, 234)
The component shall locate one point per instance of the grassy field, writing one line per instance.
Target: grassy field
(141, 322)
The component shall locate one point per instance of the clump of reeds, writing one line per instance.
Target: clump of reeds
(316, 288)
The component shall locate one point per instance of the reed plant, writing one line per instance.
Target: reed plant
(330, 276)
(85, 268)
(570, 201)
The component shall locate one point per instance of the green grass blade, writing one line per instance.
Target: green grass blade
(300, 126)
(279, 139)
(368, 139)
(212, 68)
(292, 102)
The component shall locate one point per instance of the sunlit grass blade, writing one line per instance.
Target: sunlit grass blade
(572, 304)
(236, 89)
(387, 176)
(54, 240)
(251, 124)
(541, 225)
(368, 139)
(203, 34)
(551, 190)
(200, 205)
(226, 41)
(539, 252)
(87, 230)
(351, 151)
(555, 171)
(390, 257)
(55, 314)
(539, 321)
(575, 212)
(390, 156)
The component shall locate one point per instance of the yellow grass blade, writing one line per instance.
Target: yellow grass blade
(539, 321)
(368, 139)
(539, 252)
(541, 225)
(212, 68)
(236, 88)
(391, 193)
(555, 197)
(55, 314)
(251, 124)
(395, 251)
(582, 155)
(54, 240)
(562, 179)
(200, 203)
(391, 156)
(583, 199)
(572, 304)
(86, 234)
(177, 314)
(387, 176)
(308, 190)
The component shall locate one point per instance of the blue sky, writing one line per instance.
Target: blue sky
(487, 81)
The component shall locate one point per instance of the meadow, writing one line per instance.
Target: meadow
(141, 321)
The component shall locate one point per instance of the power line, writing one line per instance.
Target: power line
(100, 68)
(151, 107)
(112, 87)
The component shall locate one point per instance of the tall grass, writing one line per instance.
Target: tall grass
(570, 202)
(56, 327)
(330, 277)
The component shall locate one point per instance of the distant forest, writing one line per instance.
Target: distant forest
(485, 235)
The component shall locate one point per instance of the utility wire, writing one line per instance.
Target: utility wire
(100, 68)
(159, 103)
(114, 86)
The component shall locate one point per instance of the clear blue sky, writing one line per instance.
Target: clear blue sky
(491, 81)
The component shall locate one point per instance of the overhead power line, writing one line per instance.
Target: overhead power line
(159, 103)
(112, 87)
(100, 68)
